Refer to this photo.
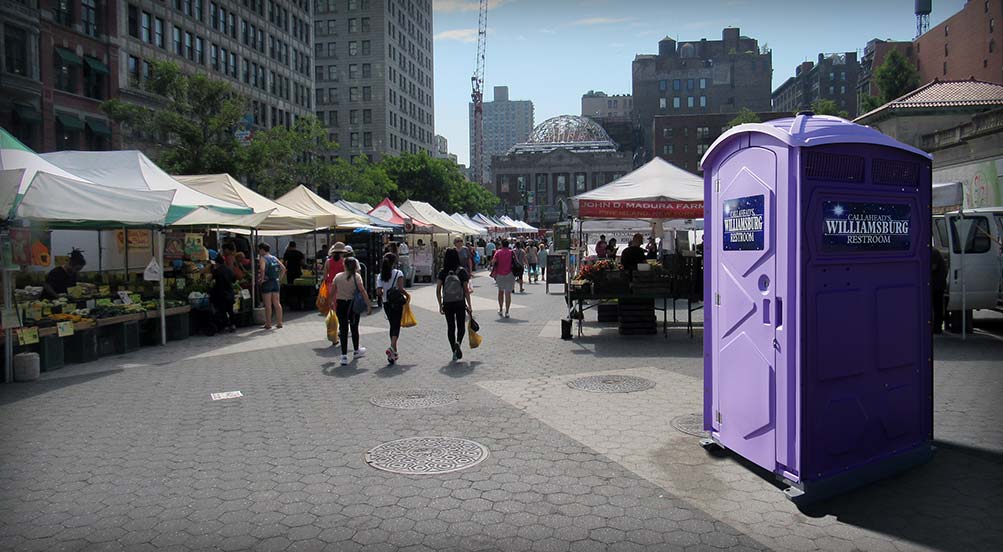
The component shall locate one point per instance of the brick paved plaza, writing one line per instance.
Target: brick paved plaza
(129, 452)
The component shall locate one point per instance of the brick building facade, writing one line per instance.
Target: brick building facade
(874, 55)
(966, 45)
(833, 78)
(683, 139)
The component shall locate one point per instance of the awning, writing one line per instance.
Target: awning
(69, 57)
(99, 127)
(70, 122)
(27, 113)
(96, 65)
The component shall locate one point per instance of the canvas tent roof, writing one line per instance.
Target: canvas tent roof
(325, 213)
(389, 212)
(373, 221)
(425, 211)
(81, 202)
(364, 207)
(518, 225)
(131, 169)
(478, 229)
(490, 223)
(225, 187)
(656, 191)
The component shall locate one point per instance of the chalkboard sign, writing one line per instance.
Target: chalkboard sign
(562, 237)
(557, 268)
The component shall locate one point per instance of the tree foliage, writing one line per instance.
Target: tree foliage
(280, 158)
(363, 181)
(197, 120)
(822, 106)
(437, 181)
(746, 115)
(895, 77)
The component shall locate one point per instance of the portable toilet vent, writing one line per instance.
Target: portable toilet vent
(818, 345)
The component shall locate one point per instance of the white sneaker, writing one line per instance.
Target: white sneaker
(344, 360)
(361, 352)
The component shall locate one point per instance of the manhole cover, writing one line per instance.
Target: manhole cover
(691, 424)
(414, 398)
(611, 384)
(426, 455)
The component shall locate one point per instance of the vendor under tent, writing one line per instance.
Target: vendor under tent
(57, 201)
(131, 169)
(443, 223)
(655, 196)
(280, 220)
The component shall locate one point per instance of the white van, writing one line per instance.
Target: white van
(983, 254)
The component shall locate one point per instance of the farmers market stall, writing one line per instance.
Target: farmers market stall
(654, 196)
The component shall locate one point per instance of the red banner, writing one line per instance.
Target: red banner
(641, 209)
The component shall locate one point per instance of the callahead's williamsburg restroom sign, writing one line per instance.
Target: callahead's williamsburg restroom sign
(865, 226)
(743, 224)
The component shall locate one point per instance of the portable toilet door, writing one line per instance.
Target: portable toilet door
(747, 301)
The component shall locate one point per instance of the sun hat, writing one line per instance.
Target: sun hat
(338, 247)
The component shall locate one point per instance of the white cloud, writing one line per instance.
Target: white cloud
(601, 20)
(464, 5)
(461, 35)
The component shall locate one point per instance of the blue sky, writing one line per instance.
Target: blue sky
(553, 51)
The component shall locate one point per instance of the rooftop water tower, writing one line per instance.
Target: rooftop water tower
(923, 8)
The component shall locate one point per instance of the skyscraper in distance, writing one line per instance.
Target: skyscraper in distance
(506, 123)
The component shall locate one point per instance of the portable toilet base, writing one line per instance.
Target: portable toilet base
(818, 362)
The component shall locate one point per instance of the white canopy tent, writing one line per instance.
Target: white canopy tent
(424, 211)
(131, 169)
(473, 226)
(281, 220)
(656, 191)
(15, 155)
(324, 213)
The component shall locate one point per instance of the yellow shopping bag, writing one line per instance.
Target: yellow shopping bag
(323, 305)
(407, 317)
(332, 326)
(474, 338)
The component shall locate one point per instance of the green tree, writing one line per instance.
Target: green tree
(895, 77)
(438, 182)
(363, 181)
(281, 158)
(195, 120)
(828, 107)
(746, 115)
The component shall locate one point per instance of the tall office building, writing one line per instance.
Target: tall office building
(506, 123)
(374, 75)
(701, 76)
(261, 48)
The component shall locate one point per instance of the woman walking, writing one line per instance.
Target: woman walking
(501, 271)
(532, 258)
(270, 272)
(345, 284)
(520, 255)
(390, 288)
(453, 294)
(334, 265)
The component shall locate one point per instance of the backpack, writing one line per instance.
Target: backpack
(517, 267)
(452, 289)
(271, 268)
(395, 297)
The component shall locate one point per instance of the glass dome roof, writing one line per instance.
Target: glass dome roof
(568, 129)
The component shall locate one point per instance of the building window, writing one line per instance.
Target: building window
(677, 84)
(353, 116)
(178, 47)
(133, 21)
(842, 89)
(580, 181)
(367, 93)
(65, 64)
(353, 139)
(15, 41)
(95, 72)
(88, 16)
(562, 183)
(667, 132)
(200, 50)
(353, 71)
(667, 149)
(158, 32)
(353, 94)
(367, 48)
(945, 68)
(367, 116)
(367, 70)
(675, 102)
(332, 73)
(214, 57)
(703, 84)
(353, 25)
(689, 101)
(662, 103)
(353, 48)
(702, 148)
(63, 11)
(832, 90)
(992, 46)
(689, 84)
(367, 139)
(365, 24)
(68, 128)
(703, 101)
(663, 85)
(133, 71)
(946, 50)
(947, 30)
(189, 46)
(146, 27)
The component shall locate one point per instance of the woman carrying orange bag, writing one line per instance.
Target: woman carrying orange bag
(335, 264)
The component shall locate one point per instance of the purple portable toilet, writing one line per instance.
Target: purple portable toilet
(817, 341)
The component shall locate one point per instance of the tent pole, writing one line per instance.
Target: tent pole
(254, 276)
(163, 313)
(8, 333)
(100, 255)
(125, 232)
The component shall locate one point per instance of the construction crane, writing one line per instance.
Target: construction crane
(477, 95)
